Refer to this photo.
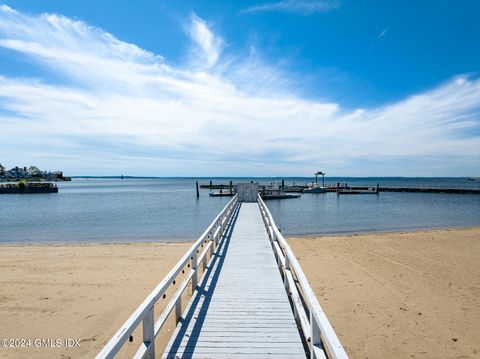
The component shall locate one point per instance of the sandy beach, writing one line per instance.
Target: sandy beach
(81, 292)
(388, 295)
(399, 295)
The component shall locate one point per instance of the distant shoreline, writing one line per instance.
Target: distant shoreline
(269, 177)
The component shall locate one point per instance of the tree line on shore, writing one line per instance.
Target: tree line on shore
(31, 173)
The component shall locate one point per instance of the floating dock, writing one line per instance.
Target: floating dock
(221, 194)
(333, 188)
(266, 196)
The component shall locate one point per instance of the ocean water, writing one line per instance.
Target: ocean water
(166, 209)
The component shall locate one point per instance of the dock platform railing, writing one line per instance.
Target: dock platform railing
(315, 326)
(197, 254)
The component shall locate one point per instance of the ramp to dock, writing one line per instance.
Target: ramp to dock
(241, 308)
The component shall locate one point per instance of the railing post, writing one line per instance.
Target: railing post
(285, 279)
(212, 245)
(287, 262)
(204, 262)
(314, 336)
(223, 223)
(178, 309)
(148, 334)
(195, 273)
(271, 233)
(217, 238)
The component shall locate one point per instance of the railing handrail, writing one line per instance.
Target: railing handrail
(318, 323)
(145, 311)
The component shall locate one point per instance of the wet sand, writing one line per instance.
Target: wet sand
(399, 295)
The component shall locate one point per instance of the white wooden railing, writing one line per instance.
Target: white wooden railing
(145, 312)
(316, 328)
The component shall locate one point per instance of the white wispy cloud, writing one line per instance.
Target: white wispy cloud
(209, 46)
(114, 107)
(383, 33)
(299, 7)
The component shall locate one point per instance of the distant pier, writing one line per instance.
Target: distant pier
(333, 187)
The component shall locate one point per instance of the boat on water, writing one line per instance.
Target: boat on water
(222, 193)
(276, 190)
(276, 194)
(297, 189)
(315, 188)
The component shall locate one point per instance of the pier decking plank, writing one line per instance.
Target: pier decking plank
(241, 308)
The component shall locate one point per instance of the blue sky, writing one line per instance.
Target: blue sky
(241, 88)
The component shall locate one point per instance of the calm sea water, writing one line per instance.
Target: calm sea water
(161, 209)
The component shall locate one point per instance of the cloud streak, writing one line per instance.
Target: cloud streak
(118, 108)
(208, 45)
(298, 7)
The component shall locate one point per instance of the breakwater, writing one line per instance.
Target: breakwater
(28, 188)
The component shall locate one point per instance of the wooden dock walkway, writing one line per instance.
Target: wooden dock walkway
(251, 301)
(242, 309)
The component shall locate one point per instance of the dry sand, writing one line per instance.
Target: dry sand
(81, 292)
(393, 295)
(399, 295)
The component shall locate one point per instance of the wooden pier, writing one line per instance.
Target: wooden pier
(252, 300)
(413, 189)
(332, 187)
(241, 309)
